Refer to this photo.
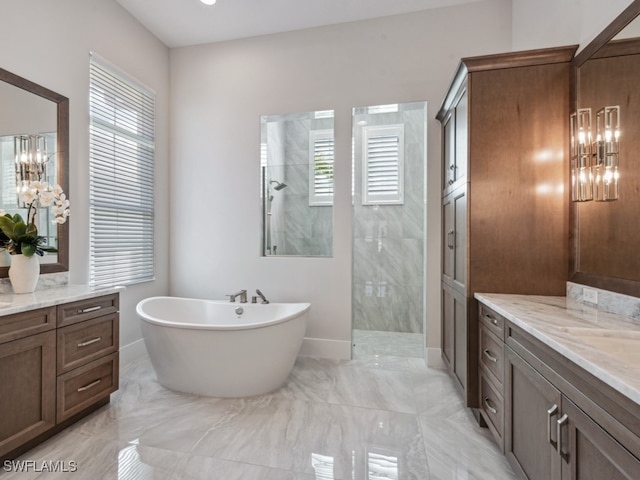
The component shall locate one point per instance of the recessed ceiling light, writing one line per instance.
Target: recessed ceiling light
(208, 2)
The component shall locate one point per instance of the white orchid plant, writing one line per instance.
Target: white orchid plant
(20, 237)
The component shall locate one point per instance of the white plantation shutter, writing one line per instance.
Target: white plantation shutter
(383, 165)
(121, 159)
(321, 167)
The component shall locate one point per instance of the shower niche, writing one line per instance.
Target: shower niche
(296, 166)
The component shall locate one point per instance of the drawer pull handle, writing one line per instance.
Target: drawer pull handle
(562, 421)
(487, 403)
(88, 386)
(451, 182)
(487, 353)
(89, 342)
(491, 319)
(90, 309)
(552, 412)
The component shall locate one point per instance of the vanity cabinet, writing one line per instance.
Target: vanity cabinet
(27, 377)
(552, 418)
(504, 202)
(56, 365)
(561, 422)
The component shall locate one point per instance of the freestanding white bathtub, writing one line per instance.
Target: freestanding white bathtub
(221, 349)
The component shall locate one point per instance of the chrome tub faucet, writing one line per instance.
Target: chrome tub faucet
(242, 294)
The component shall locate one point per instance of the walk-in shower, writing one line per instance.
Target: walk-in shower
(389, 212)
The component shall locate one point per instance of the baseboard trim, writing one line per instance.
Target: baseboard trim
(132, 351)
(319, 347)
(434, 358)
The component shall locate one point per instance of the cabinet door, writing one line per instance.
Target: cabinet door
(448, 244)
(532, 408)
(460, 166)
(590, 453)
(454, 333)
(454, 239)
(28, 383)
(460, 239)
(448, 150)
(448, 327)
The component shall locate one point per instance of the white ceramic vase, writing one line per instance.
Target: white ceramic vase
(24, 273)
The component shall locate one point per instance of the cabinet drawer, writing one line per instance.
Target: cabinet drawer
(86, 341)
(80, 388)
(82, 310)
(20, 325)
(493, 321)
(492, 408)
(492, 355)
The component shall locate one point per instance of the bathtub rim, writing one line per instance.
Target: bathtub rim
(305, 306)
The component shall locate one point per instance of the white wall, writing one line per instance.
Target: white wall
(218, 93)
(551, 23)
(49, 42)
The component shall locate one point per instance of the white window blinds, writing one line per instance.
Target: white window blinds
(121, 159)
(383, 165)
(321, 167)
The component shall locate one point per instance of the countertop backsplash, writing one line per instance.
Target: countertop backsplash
(607, 301)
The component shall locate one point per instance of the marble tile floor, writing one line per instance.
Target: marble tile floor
(374, 342)
(371, 418)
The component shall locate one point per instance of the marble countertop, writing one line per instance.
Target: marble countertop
(16, 303)
(605, 344)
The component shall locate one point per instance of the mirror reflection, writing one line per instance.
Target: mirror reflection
(30, 129)
(608, 232)
(297, 183)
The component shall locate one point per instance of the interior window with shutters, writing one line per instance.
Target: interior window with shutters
(321, 167)
(121, 160)
(383, 165)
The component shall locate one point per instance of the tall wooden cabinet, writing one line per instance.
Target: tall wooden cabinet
(504, 191)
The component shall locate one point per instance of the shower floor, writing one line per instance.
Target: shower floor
(373, 342)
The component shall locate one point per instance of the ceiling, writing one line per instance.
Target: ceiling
(180, 23)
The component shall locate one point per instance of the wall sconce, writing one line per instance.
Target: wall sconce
(581, 174)
(30, 158)
(607, 152)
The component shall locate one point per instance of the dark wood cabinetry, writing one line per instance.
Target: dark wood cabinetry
(533, 407)
(558, 421)
(56, 365)
(504, 202)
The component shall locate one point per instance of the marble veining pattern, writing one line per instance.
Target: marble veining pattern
(46, 281)
(605, 344)
(16, 303)
(380, 417)
(608, 301)
(388, 245)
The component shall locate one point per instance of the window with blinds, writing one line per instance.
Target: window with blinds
(121, 160)
(321, 167)
(383, 165)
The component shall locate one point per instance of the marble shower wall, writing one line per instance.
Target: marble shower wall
(297, 228)
(388, 240)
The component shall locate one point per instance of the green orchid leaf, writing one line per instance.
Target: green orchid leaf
(6, 225)
(19, 229)
(27, 249)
